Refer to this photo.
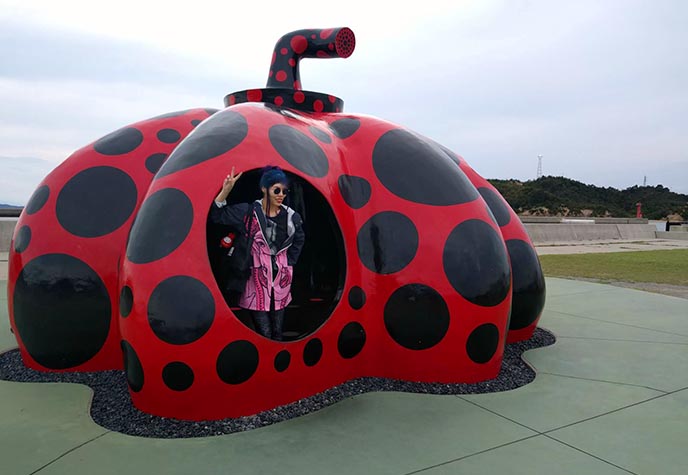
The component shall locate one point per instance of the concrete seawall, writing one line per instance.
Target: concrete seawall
(6, 230)
(683, 236)
(542, 232)
(580, 220)
(552, 233)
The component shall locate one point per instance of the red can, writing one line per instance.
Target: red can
(227, 241)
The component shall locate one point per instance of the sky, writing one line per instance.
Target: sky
(598, 88)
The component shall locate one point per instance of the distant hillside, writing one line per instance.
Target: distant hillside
(560, 196)
(3, 205)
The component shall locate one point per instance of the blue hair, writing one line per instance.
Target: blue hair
(272, 175)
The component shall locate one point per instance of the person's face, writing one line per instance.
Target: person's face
(276, 193)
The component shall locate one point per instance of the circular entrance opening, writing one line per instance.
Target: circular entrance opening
(320, 272)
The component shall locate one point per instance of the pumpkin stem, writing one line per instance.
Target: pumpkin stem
(309, 43)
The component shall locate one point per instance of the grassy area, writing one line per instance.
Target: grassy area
(663, 267)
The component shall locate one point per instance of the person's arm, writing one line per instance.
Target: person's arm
(227, 186)
(232, 215)
(294, 250)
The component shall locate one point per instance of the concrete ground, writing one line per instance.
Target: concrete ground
(610, 397)
(3, 265)
(588, 247)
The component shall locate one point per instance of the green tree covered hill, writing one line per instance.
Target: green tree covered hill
(560, 196)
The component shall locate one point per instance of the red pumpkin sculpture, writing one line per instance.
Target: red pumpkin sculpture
(414, 267)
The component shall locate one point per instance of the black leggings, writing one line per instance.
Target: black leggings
(269, 324)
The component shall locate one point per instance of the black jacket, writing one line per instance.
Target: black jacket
(234, 215)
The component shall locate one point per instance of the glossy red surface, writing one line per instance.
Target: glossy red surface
(101, 253)
(209, 396)
(430, 249)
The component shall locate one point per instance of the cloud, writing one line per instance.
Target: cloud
(20, 177)
(51, 120)
(597, 88)
(31, 51)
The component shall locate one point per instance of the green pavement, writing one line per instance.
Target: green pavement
(611, 397)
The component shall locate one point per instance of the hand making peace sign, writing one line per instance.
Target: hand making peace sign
(230, 180)
(227, 185)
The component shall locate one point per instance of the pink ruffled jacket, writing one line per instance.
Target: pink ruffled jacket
(261, 284)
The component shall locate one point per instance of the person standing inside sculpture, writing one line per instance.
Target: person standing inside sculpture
(278, 238)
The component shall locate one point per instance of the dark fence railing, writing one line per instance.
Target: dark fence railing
(669, 224)
(10, 212)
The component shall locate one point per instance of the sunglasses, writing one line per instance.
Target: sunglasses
(279, 191)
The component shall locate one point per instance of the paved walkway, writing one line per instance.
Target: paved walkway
(587, 247)
(610, 397)
(4, 256)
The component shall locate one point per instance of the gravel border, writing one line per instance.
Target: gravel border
(111, 406)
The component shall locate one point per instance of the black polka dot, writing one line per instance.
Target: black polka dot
(215, 136)
(22, 239)
(491, 215)
(96, 201)
(155, 161)
(299, 150)
(162, 224)
(169, 136)
(195, 122)
(355, 190)
(62, 310)
(177, 376)
(181, 310)
(288, 113)
(476, 263)
(387, 242)
(482, 343)
(357, 298)
(449, 154)
(132, 367)
(282, 361)
(119, 142)
(237, 362)
(170, 115)
(528, 284)
(351, 340)
(37, 200)
(416, 317)
(345, 128)
(126, 301)
(320, 134)
(312, 352)
(499, 210)
(417, 170)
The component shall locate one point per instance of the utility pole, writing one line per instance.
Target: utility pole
(539, 171)
(645, 180)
